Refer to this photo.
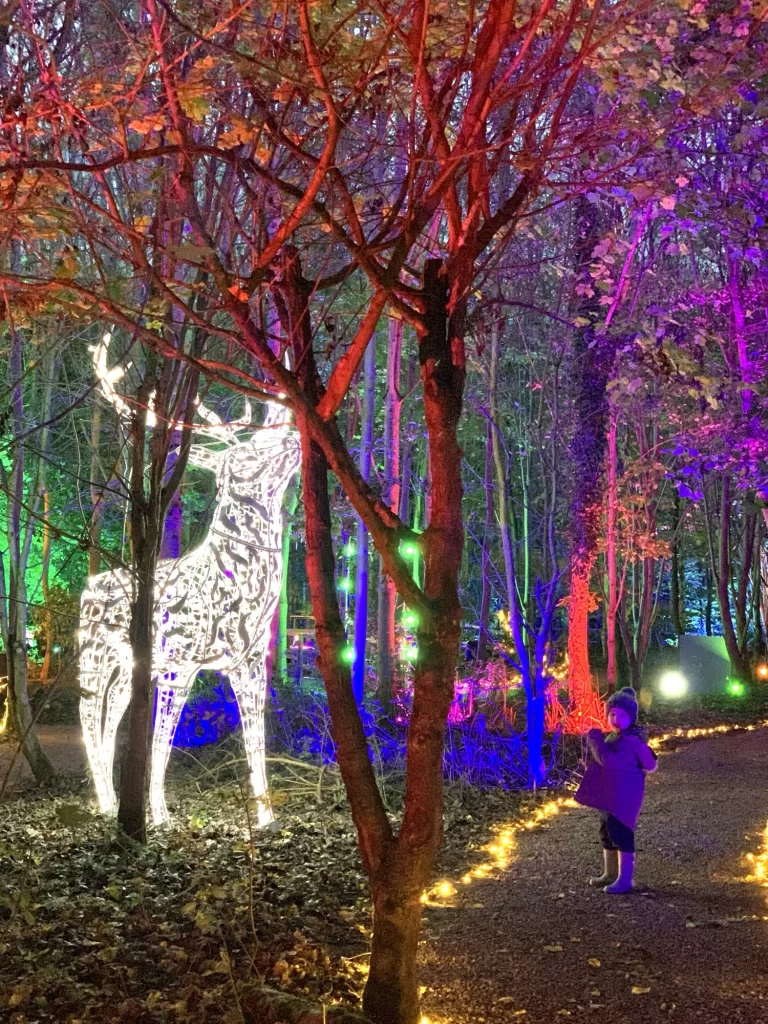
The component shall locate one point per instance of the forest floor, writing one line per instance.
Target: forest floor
(536, 944)
(190, 927)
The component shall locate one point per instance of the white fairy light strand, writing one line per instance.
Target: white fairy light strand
(213, 610)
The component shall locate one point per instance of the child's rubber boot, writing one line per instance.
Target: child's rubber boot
(626, 880)
(610, 872)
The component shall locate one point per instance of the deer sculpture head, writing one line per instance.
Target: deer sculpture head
(270, 451)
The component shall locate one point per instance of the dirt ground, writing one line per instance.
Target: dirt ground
(536, 944)
(689, 945)
(62, 743)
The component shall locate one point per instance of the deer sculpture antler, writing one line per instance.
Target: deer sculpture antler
(108, 377)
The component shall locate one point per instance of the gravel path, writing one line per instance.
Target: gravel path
(691, 944)
(62, 743)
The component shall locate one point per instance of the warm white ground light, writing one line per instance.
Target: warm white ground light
(673, 685)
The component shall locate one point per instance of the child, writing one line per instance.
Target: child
(614, 784)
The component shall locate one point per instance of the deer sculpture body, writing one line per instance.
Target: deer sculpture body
(214, 608)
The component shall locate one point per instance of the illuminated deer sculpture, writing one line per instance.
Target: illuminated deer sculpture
(213, 609)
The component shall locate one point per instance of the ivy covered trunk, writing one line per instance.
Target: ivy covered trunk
(592, 359)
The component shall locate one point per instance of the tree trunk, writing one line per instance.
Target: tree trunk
(362, 563)
(391, 496)
(708, 605)
(97, 494)
(45, 586)
(20, 713)
(722, 574)
(13, 591)
(677, 595)
(170, 546)
(280, 664)
(593, 359)
(391, 994)
(483, 634)
(151, 490)
(134, 768)
(613, 595)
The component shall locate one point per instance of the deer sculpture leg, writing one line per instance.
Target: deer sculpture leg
(250, 686)
(171, 699)
(96, 672)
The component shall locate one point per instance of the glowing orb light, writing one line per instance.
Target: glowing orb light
(410, 619)
(761, 671)
(214, 606)
(736, 688)
(673, 685)
(348, 655)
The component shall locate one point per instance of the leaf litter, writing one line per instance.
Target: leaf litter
(190, 928)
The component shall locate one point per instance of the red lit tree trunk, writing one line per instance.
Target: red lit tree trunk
(611, 604)
(398, 866)
(592, 366)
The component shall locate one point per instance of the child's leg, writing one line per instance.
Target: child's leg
(610, 857)
(624, 839)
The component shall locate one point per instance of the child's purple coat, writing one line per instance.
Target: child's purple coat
(615, 780)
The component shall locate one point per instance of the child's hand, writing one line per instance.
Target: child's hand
(594, 732)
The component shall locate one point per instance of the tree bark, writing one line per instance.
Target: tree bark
(280, 664)
(677, 592)
(13, 591)
(146, 537)
(391, 496)
(734, 635)
(483, 634)
(593, 359)
(173, 389)
(134, 768)
(97, 494)
(361, 553)
(612, 604)
(45, 586)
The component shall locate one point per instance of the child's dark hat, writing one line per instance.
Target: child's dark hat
(625, 699)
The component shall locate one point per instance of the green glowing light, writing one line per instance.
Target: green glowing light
(348, 655)
(410, 653)
(345, 584)
(410, 619)
(350, 549)
(736, 688)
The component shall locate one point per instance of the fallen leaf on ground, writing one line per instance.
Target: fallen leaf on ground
(553, 949)
(640, 990)
(594, 962)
